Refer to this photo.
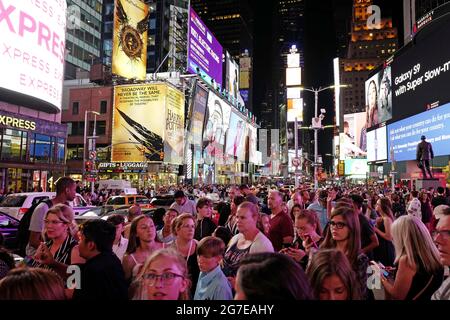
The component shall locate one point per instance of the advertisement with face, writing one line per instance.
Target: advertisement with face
(217, 123)
(136, 136)
(174, 134)
(235, 135)
(33, 45)
(129, 58)
(353, 142)
(204, 51)
(232, 76)
(379, 97)
(252, 140)
(377, 145)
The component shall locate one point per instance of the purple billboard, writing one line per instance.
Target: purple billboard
(204, 51)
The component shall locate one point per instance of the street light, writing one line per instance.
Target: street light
(318, 123)
(84, 141)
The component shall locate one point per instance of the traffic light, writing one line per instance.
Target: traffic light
(88, 166)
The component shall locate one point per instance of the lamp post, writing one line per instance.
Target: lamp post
(317, 125)
(84, 141)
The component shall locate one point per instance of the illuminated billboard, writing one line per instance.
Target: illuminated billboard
(356, 167)
(293, 76)
(353, 141)
(404, 135)
(379, 97)
(148, 122)
(377, 145)
(130, 39)
(198, 115)
(204, 51)
(232, 77)
(174, 131)
(236, 134)
(32, 40)
(294, 110)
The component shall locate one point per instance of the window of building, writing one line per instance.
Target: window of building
(11, 145)
(60, 153)
(75, 107)
(103, 106)
(42, 151)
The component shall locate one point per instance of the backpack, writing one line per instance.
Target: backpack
(23, 232)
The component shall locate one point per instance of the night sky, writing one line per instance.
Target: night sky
(320, 47)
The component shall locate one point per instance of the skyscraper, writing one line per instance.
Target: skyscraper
(368, 47)
(83, 39)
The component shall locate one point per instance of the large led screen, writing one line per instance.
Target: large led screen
(377, 145)
(353, 141)
(404, 135)
(32, 41)
(232, 77)
(236, 135)
(356, 167)
(204, 52)
(379, 97)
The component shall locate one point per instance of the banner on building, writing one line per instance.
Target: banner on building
(130, 39)
(139, 120)
(174, 134)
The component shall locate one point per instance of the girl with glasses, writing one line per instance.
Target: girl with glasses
(163, 277)
(343, 234)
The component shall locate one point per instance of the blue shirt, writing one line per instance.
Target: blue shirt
(213, 285)
(321, 213)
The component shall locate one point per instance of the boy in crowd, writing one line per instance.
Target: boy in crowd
(212, 283)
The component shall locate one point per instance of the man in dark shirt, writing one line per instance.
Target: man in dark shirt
(102, 276)
(281, 225)
(369, 239)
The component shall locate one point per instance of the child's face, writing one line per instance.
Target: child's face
(206, 264)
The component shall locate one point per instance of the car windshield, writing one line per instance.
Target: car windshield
(13, 201)
(7, 221)
(93, 212)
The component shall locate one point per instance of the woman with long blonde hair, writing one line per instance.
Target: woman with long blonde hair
(419, 271)
(61, 247)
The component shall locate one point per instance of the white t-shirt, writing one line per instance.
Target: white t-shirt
(187, 207)
(37, 224)
(260, 244)
(120, 248)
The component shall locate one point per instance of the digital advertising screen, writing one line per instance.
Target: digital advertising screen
(404, 135)
(204, 51)
(252, 141)
(33, 46)
(174, 130)
(129, 59)
(217, 123)
(377, 145)
(236, 136)
(379, 97)
(353, 141)
(232, 76)
(198, 115)
(356, 167)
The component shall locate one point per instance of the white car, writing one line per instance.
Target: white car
(16, 204)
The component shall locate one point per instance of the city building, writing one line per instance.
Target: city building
(32, 149)
(83, 36)
(413, 10)
(369, 46)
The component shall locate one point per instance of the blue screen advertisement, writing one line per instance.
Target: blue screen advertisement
(404, 135)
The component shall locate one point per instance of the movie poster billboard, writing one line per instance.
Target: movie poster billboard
(174, 134)
(252, 141)
(139, 119)
(204, 51)
(130, 39)
(198, 115)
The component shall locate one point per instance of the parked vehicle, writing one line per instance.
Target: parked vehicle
(128, 200)
(8, 228)
(17, 204)
(105, 211)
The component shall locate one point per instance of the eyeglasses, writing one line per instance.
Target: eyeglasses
(53, 222)
(443, 233)
(167, 278)
(337, 225)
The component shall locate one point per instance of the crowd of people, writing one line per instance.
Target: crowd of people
(253, 243)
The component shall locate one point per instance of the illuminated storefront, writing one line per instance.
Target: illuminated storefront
(30, 157)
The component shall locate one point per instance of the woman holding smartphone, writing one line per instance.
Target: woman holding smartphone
(308, 237)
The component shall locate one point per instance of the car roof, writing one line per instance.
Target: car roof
(32, 194)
